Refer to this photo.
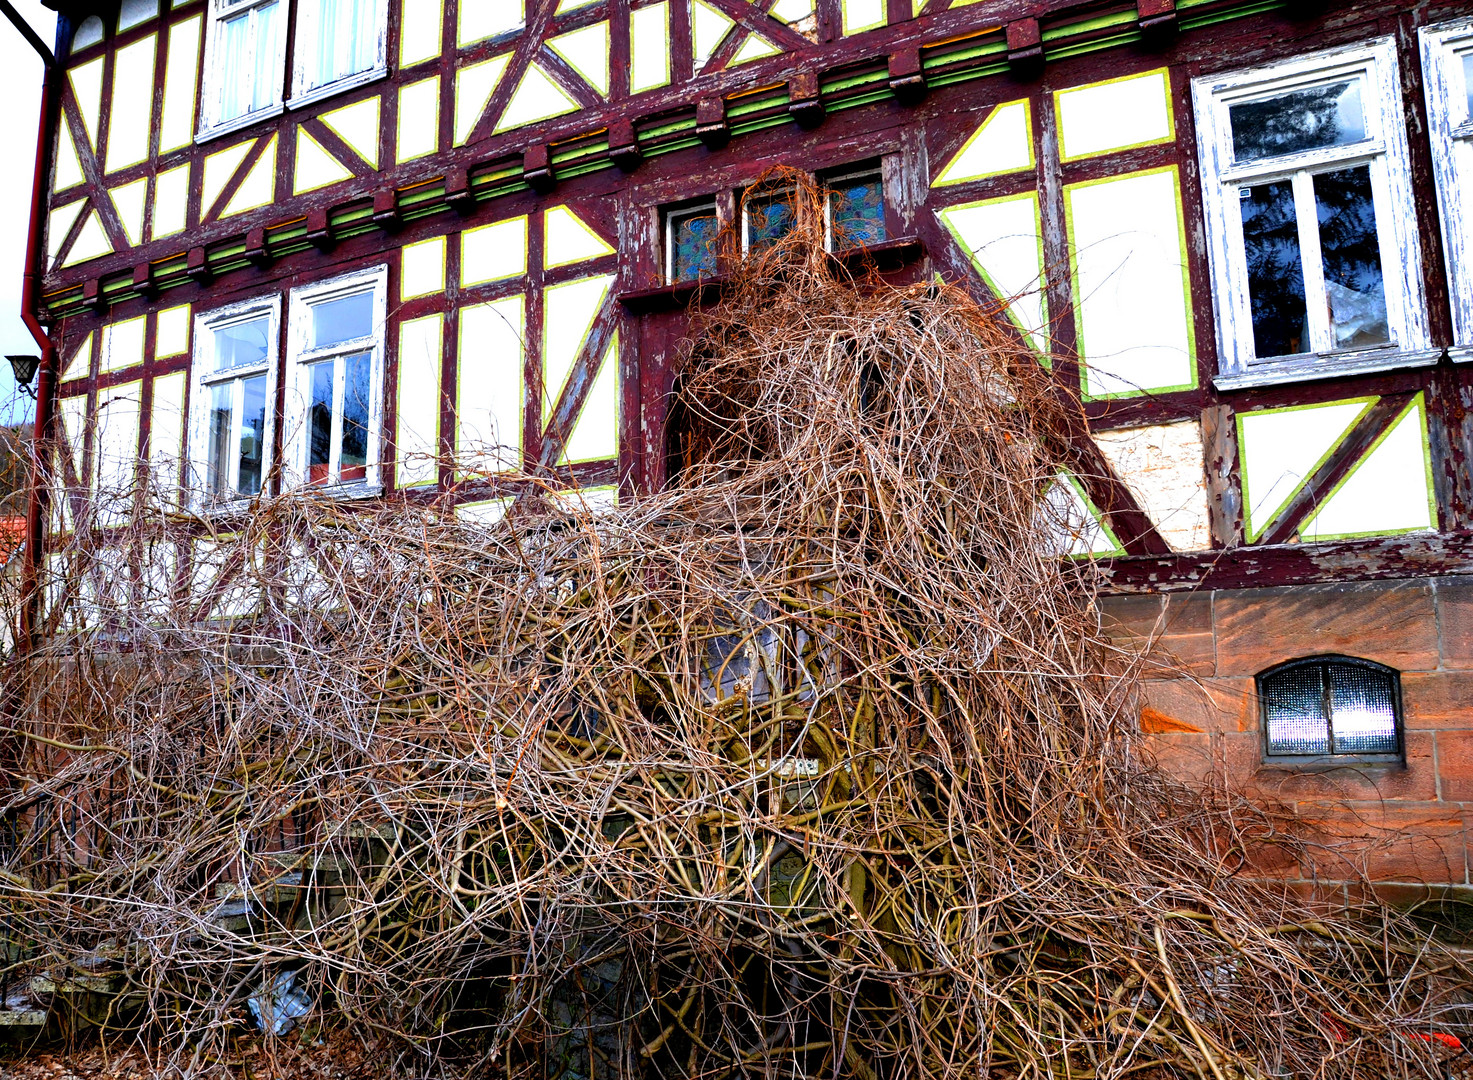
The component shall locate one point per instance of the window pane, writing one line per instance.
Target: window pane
(217, 479)
(1468, 83)
(693, 246)
(342, 320)
(268, 17)
(242, 345)
(252, 434)
(355, 418)
(1364, 705)
(768, 221)
(857, 210)
(1352, 256)
(236, 68)
(1275, 268)
(1299, 120)
(319, 421)
(347, 41)
(1294, 712)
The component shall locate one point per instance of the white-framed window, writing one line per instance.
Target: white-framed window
(335, 379)
(1311, 224)
(339, 44)
(1447, 65)
(232, 401)
(245, 57)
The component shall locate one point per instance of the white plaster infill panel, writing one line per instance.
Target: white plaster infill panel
(1002, 144)
(493, 252)
(587, 52)
(570, 311)
(708, 28)
(1282, 448)
(595, 434)
(422, 268)
(1118, 114)
(1389, 491)
(421, 25)
(1074, 525)
(649, 48)
(537, 97)
(490, 387)
(1003, 238)
(1165, 469)
(130, 120)
(861, 15)
(418, 132)
(568, 239)
(474, 85)
(1132, 294)
(417, 436)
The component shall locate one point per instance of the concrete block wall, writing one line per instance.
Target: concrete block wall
(1402, 826)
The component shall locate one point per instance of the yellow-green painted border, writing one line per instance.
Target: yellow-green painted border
(1419, 403)
(1099, 519)
(614, 356)
(987, 278)
(1186, 285)
(1032, 150)
(526, 220)
(1366, 403)
(459, 382)
(549, 402)
(439, 396)
(168, 41)
(1169, 137)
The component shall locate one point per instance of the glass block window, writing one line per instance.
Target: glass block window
(1330, 706)
(855, 211)
(690, 242)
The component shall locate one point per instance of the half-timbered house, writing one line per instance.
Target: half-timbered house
(348, 243)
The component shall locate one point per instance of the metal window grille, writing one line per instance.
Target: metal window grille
(1330, 706)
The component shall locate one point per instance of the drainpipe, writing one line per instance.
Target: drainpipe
(30, 305)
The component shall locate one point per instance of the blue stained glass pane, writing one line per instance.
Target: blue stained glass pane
(694, 252)
(858, 213)
(768, 221)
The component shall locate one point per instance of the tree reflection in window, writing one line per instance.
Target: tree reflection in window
(1297, 121)
(1354, 285)
(1275, 268)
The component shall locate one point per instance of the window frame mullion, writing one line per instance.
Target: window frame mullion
(1312, 265)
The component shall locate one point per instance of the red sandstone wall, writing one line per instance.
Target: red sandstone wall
(1402, 825)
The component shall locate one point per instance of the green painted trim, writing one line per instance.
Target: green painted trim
(1419, 403)
(1032, 155)
(1253, 533)
(1186, 280)
(1170, 137)
(1085, 26)
(998, 291)
(1099, 519)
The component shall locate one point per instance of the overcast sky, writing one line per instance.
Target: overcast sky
(20, 90)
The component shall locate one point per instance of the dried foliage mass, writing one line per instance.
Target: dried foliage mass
(814, 764)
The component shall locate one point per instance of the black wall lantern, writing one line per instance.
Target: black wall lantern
(25, 370)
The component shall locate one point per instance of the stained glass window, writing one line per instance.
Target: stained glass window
(691, 243)
(856, 211)
(1330, 706)
(769, 219)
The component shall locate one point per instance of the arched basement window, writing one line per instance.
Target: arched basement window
(1331, 706)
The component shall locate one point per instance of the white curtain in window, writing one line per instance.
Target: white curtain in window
(347, 40)
(248, 49)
